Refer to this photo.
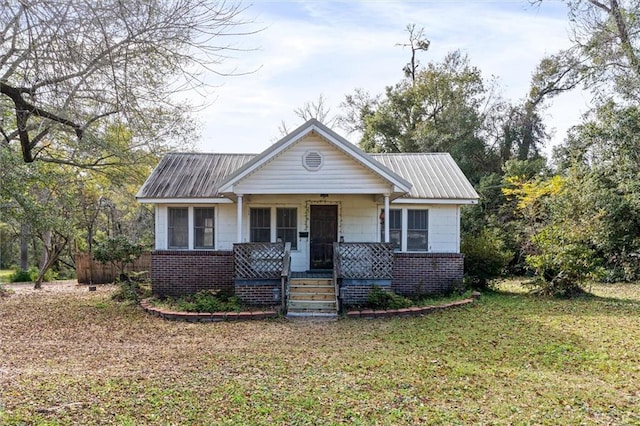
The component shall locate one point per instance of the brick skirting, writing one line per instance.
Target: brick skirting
(181, 272)
(177, 273)
(427, 273)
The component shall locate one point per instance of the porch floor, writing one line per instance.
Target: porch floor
(313, 274)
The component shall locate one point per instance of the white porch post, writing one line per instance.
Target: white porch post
(386, 218)
(239, 219)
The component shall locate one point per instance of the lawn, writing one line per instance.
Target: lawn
(79, 358)
(4, 275)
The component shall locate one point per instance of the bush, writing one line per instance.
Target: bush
(485, 257)
(563, 262)
(132, 291)
(206, 301)
(118, 251)
(31, 274)
(379, 298)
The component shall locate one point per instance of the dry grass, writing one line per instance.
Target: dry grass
(75, 357)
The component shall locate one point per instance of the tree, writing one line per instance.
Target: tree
(71, 69)
(312, 109)
(440, 111)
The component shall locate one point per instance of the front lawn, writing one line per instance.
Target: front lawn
(4, 275)
(79, 358)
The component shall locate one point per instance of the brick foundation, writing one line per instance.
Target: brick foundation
(258, 292)
(427, 273)
(181, 272)
(176, 273)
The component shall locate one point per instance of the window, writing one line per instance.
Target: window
(417, 228)
(287, 226)
(260, 225)
(178, 227)
(395, 228)
(203, 228)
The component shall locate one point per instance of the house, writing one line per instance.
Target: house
(310, 223)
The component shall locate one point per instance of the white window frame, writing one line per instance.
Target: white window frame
(273, 221)
(404, 224)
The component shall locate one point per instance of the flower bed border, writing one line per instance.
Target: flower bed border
(206, 316)
(413, 311)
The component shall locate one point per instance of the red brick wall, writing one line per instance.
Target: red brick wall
(262, 293)
(180, 272)
(427, 273)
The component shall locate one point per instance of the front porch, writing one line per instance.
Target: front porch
(260, 274)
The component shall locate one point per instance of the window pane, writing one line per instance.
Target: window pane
(260, 225)
(417, 230)
(203, 227)
(395, 228)
(178, 227)
(287, 226)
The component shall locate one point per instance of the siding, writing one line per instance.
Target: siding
(285, 174)
(443, 229)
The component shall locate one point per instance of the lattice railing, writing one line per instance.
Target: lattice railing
(365, 260)
(258, 260)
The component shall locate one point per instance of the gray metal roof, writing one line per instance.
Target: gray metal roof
(191, 175)
(433, 175)
(199, 175)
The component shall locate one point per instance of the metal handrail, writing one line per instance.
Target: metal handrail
(336, 272)
(285, 274)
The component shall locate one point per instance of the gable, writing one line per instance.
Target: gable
(313, 165)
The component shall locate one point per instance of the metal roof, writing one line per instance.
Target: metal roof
(200, 175)
(433, 175)
(191, 175)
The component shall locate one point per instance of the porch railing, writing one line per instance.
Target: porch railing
(363, 260)
(254, 261)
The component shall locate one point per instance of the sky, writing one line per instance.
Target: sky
(310, 48)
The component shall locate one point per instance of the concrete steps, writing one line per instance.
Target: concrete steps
(312, 297)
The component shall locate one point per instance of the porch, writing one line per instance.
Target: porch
(260, 274)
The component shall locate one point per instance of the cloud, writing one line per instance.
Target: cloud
(308, 48)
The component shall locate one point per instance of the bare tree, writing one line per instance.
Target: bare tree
(417, 42)
(312, 109)
(68, 68)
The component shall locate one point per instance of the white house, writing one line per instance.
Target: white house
(323, 196)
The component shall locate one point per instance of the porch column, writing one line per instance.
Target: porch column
(386, 218)
(239, 218)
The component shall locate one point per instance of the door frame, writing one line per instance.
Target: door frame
(311, 206)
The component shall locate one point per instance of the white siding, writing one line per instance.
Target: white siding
(358, 221)
(286, 174)
(444, 229)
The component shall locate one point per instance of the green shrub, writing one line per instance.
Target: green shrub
(379, 298)
(132, 291)
(31, 274)
(563, 262)
(485, 257)
(119, 252)
(20, 276)
(208, 301)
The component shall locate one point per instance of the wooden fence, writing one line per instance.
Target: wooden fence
(90, 271)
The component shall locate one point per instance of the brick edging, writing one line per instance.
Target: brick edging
(206, 316)
(414, 311)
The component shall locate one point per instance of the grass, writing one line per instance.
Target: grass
(4, 275)
(511, 359)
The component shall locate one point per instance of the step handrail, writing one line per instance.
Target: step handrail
(285, 275)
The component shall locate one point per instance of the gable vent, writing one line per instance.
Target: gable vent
(312, 160)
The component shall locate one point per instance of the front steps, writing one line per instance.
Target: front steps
(312, 297)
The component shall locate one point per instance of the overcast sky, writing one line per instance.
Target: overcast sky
(308, 48)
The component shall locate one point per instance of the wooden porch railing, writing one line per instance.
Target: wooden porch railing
(363, 260)
(258, 261)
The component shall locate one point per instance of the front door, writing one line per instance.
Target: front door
(324, 232)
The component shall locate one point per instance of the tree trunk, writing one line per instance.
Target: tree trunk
(24, 247)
